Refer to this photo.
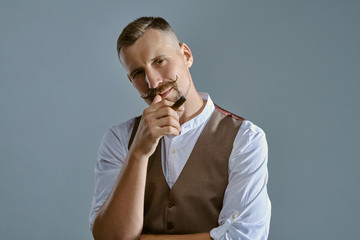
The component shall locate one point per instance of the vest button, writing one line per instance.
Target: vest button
(170, 204)
(170, 226)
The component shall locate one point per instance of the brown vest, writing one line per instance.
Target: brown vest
(193, 204)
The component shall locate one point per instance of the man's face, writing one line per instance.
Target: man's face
(158, 65)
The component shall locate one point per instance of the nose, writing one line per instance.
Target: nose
(153, 78)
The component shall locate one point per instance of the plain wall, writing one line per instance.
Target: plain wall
(291, 67)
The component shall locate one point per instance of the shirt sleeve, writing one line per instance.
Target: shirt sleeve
(111, 156)
(246, 207)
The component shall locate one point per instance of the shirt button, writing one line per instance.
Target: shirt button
(170, 226)
(170, 204)
(234, 216)
(173, 151)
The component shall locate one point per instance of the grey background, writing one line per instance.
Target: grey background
(291, 67)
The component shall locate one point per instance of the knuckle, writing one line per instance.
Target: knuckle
(169, 119)
(168, 111)
(152, 133)
(168, 103)
(175, 121)
(146, 120)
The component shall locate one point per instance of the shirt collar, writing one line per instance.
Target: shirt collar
(202, 117)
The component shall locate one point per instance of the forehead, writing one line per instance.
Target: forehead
(150, 45)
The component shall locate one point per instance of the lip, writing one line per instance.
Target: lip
(166, 92)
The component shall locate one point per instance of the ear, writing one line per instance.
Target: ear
(188, 57)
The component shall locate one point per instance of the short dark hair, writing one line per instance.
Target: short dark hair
(134, 30)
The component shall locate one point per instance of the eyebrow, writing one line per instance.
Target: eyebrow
(157, 57)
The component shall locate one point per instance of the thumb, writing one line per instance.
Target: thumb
(157, 99)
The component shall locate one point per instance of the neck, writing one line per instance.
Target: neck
(193, 107)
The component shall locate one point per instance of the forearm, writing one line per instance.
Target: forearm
(195, 236)
(121, 216)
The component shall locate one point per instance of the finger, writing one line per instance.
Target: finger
(164, 112)
(167, 115)
(153, 122)
(155, 105)
(157, 99)
(158, 132)
(162, 127)
(168, 121)
(169, 130)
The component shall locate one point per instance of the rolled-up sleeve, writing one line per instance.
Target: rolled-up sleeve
(246, 208)
(111, 156)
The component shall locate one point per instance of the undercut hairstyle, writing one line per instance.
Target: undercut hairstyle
(134, 30)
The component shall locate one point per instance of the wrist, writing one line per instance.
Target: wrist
(137, 155)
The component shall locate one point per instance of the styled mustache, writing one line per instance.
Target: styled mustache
(152, 92)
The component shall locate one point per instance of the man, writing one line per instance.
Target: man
(196, 172)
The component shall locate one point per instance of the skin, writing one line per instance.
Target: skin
(154, 59)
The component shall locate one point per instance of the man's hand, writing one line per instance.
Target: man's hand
(121, 216)
(158, 119)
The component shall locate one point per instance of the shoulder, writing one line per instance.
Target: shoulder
(123, 130)
(113, 147)
(250, 150)
(248, 131)
(116, 138)
(250, 136)
(228, 114)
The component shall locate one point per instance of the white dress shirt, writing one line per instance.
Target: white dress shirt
(246, 207)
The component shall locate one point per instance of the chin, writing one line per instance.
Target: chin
(176, 96)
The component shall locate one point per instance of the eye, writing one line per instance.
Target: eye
(136, 74)
(160, 61)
